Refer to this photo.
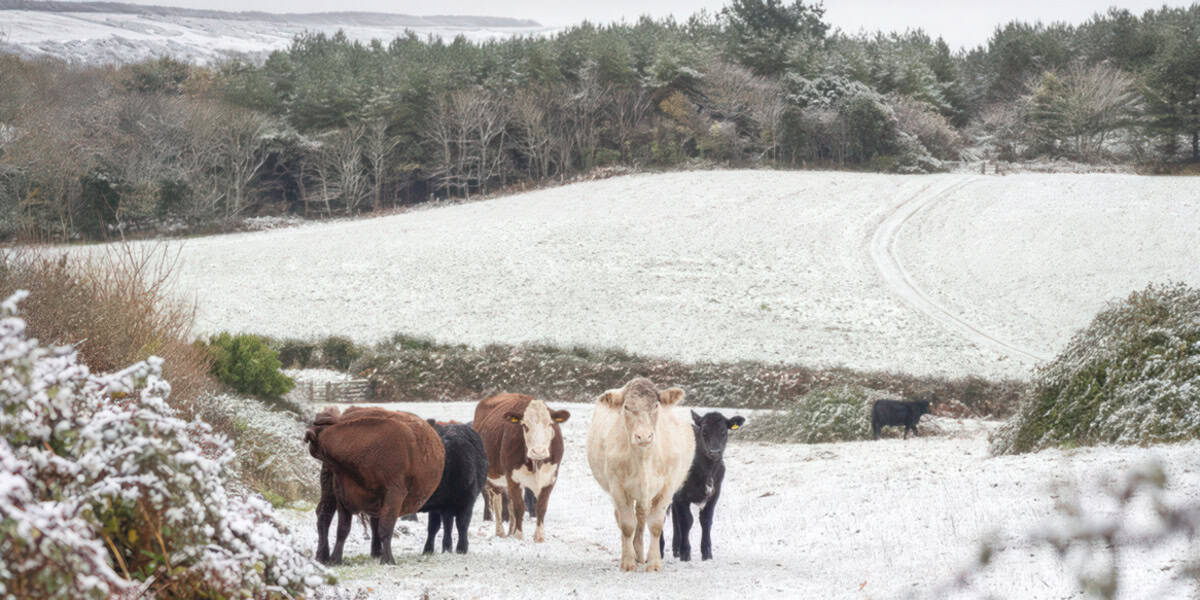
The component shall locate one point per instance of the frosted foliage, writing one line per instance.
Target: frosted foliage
(87, 459)
(1131, 377)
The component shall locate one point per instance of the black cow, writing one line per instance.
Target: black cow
(897, 412)
(703, 484)
(463, 478)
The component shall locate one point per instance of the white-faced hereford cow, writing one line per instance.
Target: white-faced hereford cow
(524, 446)
(639, 451)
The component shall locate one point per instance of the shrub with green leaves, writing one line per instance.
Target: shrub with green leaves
(1131, 377)
(296, 354)
(339, 352)
(105, 492)
(830, 414)
(245, 363)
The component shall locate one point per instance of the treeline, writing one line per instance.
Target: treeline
(336, 127)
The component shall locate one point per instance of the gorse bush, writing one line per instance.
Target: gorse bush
(245, 363)
(832, 414)
(1131, 377)
(339, 352)
(295, 354)
(105, 491)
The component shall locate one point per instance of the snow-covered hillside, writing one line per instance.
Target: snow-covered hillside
(111, 37)
(945, 274)
(858, 520)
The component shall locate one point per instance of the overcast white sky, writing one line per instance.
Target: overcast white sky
(962, 23)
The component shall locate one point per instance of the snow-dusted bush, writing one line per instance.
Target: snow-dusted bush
(103, 487)
(831, 414)
(1131, 377)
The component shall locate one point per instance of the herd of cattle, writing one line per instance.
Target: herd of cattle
(648, 459)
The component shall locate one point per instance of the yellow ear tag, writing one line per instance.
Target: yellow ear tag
(735, 426)
(514, 419)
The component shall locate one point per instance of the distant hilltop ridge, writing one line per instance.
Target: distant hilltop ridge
(321, 18)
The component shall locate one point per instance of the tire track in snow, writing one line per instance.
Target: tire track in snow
(883, 254)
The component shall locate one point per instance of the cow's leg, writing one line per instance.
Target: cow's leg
(435, 521)
(531, 502)
(543, 502)
(516, 509)
(447, 516)
(706, 518)
(326, 508)
(683, 531)
(656, 516)
(906, 428)
(626, 521)
(463, 519)
(639, 532)
(876, 427)
(494, 495)
(372, 526)
(487, 504)
(393, 501)
(343, 531)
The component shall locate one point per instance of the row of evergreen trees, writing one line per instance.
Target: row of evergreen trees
(334, 126)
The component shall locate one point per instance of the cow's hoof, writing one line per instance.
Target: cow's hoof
(654, 566)
(685, 556)
(518, 535)
(628, 564)
(539, 537)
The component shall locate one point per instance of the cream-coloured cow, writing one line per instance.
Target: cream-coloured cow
(639, 451)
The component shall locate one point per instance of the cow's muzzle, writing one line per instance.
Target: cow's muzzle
(538, 454)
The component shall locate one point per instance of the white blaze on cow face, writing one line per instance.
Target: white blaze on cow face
(538, 429)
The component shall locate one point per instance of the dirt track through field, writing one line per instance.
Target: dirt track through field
(883, 253)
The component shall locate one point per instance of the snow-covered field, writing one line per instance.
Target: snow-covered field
(92, 37)
(929, 274)
(884, 519)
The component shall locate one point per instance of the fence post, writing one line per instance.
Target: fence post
(310, 393)
(328, 391)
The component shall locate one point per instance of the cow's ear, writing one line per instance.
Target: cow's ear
(737, 422)
(695, 417)
(670, 396)
(512, 417)
(431, 421)
(560, 416)
(613, 398)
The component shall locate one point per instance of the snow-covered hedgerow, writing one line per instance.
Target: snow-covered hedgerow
(103, 490)
(1131, 377)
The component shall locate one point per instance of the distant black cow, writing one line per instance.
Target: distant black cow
(897, 412)
(703, 484)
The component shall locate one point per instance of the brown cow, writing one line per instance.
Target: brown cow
(524, 447)
(383, 464)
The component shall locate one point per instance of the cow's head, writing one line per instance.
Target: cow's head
(712, 432)
(921, 407)
(639, 402)
(537, 422)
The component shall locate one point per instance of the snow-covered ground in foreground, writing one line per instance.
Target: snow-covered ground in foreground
(928, 274)
(887, 519)
(120, 38)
